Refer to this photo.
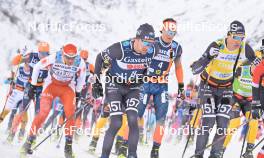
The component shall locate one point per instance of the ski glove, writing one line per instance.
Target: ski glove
(77, 98)
(256, 109)
(213, 52)
(181, 91)
(31, 91)
(9, 80)
(97, 90)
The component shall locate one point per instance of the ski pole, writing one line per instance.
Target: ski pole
(244, 139)
(258, 144)
(195, 119)
(58, 144)
(219, 139)
(189, 136)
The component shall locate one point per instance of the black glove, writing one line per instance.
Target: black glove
(77, 98)
(193, 107)
(10, 80)
(31, 91)
(97, 90)
(181, 91)
(257, 110)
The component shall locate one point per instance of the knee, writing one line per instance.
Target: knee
(132, 118)
(207, 121)
(43, 115)
(115, 124)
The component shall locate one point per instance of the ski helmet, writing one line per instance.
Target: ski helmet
(236, 27)
(145, 31)
(70, 50)
(84, 54)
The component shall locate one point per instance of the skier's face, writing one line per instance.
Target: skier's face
(235, 40)
(68, 60)
(43, 54)
(168, 31)
(142, 45)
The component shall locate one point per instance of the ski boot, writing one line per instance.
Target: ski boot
(93, 144)
(248, 153)
(122, 152)
(154, 151)
(26, 148)
(217, 154)
(118, 144)
(131, 156)
(68, 148)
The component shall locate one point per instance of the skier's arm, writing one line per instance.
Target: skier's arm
(251, 55)
(256, 81)
(178, 66)
(41, 65)
(81, 77)
(104, 59)
(199, 65)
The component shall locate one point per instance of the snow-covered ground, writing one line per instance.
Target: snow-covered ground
(96, 24)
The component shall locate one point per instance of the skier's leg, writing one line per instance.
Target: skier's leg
(115, 124)
(113, 96)
(132, 102)
(67, 98)
(46, 103)
(233, 124)
(252, 129)
(38, 93)
(161, 104)
(11, 118)
(224, 111)
(11, 103)
(208, 118)
(144, 99)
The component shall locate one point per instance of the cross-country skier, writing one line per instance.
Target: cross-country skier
(127, 62)
(258, 92)
(242, 102)
(32, 58)
(66, 77)
(169, 52)
(217, 67)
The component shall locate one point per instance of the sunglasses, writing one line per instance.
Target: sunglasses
(171, 33)
(147, 43)
(69, 57)
(44, 53)
(238, 38)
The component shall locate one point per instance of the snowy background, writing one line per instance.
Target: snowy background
(96, 24)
